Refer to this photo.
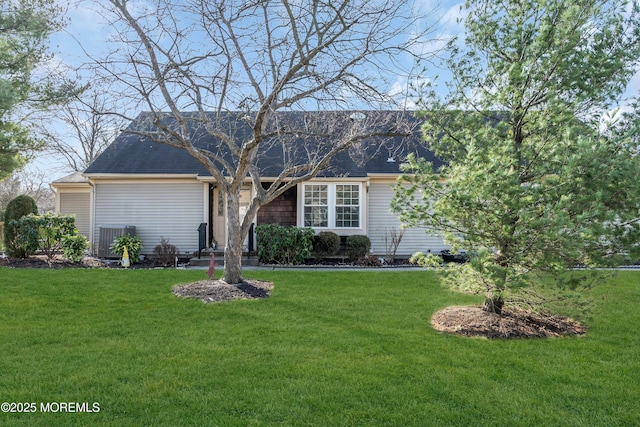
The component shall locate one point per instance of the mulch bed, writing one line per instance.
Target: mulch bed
(475, 321)
(36, 262)
(40, 261)
(218, 290)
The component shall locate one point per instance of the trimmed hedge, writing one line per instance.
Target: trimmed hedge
(283, 245)
(357, 247)
(326, 243)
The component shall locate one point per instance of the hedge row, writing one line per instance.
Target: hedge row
(293, 245)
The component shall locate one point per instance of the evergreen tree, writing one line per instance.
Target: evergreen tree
(532, 185)
(16, 209)
(25, 26)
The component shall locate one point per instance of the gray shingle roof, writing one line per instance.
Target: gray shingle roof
(133, 154)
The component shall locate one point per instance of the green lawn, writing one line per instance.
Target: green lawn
(327, 349)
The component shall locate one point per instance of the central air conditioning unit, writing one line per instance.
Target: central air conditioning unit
(106, 236)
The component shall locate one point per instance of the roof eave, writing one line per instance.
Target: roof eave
(98, 175)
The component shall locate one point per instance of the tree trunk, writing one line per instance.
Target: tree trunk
(494, 303)
(494, 297)
(235, 240)
(494, 300)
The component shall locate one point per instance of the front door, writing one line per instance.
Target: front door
(219, 213)
(219, 223)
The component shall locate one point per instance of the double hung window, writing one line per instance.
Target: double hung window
(316, 206)
(332, 205)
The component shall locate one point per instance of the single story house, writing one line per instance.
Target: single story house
(163, 192)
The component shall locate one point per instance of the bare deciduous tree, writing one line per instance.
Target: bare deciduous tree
(87, 128)
(260, 57)
(392, 239)
(33, 184)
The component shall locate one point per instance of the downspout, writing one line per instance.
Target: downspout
(54, 190)
(92, 217)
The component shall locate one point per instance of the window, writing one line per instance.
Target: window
(316, 207)
(331, 205)
(220, 203)
(348, 206)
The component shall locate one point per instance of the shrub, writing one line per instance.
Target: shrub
(326, 243)
(51, 231)
(164, 254)
(358, 246)
(369, 261)
(74, 247)
(392, 239)
(24, 239)
(16, 209)
(133, 245)
(47, 233)
(283, 245)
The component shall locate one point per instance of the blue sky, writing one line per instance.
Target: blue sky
(88, 33)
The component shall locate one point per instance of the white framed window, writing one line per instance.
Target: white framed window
(347, 206)
(316, 205)
(328, 205)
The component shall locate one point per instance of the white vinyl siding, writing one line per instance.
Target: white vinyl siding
(170, 210)
(78, 205)
(382, 221)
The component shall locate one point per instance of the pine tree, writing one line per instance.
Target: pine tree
(532, 185)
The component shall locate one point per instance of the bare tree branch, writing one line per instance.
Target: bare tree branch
(192, 62)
